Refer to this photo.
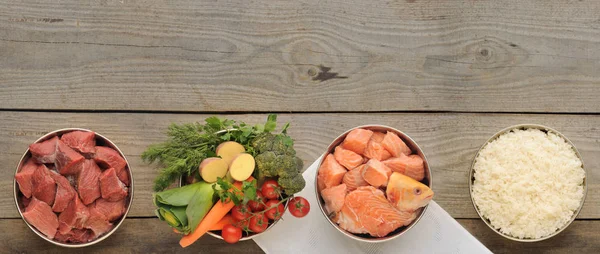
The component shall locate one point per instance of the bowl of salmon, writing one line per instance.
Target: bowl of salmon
(73, 187)
(373, 183)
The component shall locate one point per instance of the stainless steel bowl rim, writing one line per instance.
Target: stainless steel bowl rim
(527, 126)
(99, 239)
(414, 146)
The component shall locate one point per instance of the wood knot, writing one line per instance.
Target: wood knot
(324, 74)
(485, 55)
(484, 52)
(476, 59)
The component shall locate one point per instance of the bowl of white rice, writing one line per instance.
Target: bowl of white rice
(528, 183)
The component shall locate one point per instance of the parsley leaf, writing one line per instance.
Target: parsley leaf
(271, 123)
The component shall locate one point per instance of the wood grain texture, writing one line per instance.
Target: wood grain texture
(134, 236)
(449, 141)
(579, 237)
(309, 55)
(152, 236)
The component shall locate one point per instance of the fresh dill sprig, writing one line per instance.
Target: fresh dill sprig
(190, 143)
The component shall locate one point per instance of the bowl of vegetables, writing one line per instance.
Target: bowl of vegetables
(234, 181)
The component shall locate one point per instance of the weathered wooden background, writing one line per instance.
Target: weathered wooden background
(449, 73)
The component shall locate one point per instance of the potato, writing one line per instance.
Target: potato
(228, 150)
(211, 168)
(242, 167)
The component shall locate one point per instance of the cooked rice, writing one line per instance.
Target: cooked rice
(528, 183)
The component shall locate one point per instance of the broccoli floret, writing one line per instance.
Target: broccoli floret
(286, 166)
(266, 163)
(280, 146)
(263, 142)
(292, 184)
(299, 164)
(277, 158)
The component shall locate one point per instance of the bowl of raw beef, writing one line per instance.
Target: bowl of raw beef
(73, 187)
(373, 183)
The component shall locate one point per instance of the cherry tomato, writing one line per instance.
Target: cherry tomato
(240, 212)
(259, 204)
(244, 224)
(299, 207)
(276, 211)
(231, 234)
(270, 189)
(259, 223)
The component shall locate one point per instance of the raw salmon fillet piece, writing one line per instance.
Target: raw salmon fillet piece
(375, 150)
(353, 178)
(378, 136)
(334, 198)
(366, 210)
(411, 166)
(394, 144)
(330, 173)
(347, 158)
(376, 173)
(357, 140)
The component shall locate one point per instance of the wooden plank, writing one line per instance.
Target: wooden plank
(450, 142)
(134, 236)
(579, 237)
(153, 236)
(484, 56)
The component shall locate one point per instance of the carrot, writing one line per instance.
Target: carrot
(216, 213)
(225, 221)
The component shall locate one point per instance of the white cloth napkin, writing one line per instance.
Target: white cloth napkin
(436, 232)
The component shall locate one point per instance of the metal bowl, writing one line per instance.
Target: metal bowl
(427, 181)
(100, 140)
(248, 237)
(524, 127)
(244, 238)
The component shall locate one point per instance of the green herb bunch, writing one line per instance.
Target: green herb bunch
(190, 143)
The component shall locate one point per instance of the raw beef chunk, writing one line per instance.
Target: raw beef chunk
(81, 141)
(88, 182)
(109, 158)
(40, 215)
(68, 161)
(25, 177)
(111, 187)
(64, 193)
(44, 187)
(44, 152)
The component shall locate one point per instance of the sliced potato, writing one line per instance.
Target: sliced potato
(211, 168)
(229, 150)
(242, 167)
